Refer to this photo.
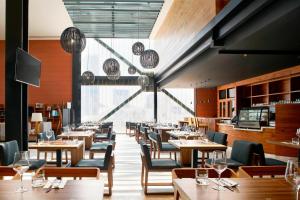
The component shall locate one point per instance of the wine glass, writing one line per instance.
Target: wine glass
(219, 164)
(290, 171)
(21, 165)
(49, 135)
(298, 132)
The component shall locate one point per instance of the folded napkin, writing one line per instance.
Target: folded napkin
(229, 182)
(48, 185)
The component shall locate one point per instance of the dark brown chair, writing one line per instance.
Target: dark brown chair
(74, 172)
(154, 165)
(191, 172)
(261, 171)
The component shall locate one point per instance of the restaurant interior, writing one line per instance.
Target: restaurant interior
(149, 99)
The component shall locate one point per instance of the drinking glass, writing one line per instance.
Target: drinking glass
(219, 164)
(21, 165)
(295, 141)
(298, 132)
(201, 176)
(290, 171)
(49, 135)
(38, 180)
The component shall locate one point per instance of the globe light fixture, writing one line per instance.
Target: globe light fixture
(111, 66)
(149, 59)
(88, 78)
(72, 40)
(131, 70)
(138, 48)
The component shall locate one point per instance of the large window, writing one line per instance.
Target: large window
(100, 101)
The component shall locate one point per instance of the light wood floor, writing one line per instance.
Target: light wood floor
(127, 173)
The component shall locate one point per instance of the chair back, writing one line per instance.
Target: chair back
(242, 151)
(7, 152)
(146, 157)
(261, 171)
(70, 172)
(220, 138)
(7, 171)
(127, 125)
(113, 137)
(259, 151)
(107, 156)
(210, 135)
(158, 140)
(191, 173)
(144, 132)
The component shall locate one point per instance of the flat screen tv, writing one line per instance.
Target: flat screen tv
(28, 68)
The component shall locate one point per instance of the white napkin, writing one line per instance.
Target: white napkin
(48, 185)
(62, 184)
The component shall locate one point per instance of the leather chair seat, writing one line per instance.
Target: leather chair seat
(99, 163)
(168, 147)
(164, 164)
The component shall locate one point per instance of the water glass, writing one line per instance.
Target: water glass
(219, 164)
(38, 180)
(291, 171)
(295, 141)
(201, 176)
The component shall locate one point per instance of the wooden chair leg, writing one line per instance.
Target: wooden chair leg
(45, 154)
(176, 195)
(66, 155)
(91, 155)
(158, 154)
(52, 156)
(170, 154)
(110, 180)
(142, 176)
(38, 154)
(146, 182)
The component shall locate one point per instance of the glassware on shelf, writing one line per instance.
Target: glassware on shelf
(219, 164)
(298, 132)
(49, 135)
(21, 165)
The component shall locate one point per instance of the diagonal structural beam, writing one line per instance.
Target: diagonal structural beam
(118, 55)
(178, 101)
(122, 104)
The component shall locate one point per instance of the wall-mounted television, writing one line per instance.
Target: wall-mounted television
(28, 68)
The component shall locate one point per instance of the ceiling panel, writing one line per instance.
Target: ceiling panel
(114, 19)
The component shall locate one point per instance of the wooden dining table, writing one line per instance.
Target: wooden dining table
(162, 130)
(87, 136)
(248, 188)
(178, 134)
(73, 189)
(194, 146)
(288, 144)
(75, 147)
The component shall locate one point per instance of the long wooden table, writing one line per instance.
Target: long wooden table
(87, 136)
(76, 149)
(178, 134)
(74, 189)
(195, 146)
(288, 144)
(257, 188)
(162, 130)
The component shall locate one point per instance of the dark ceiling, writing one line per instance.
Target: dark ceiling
(252, 43)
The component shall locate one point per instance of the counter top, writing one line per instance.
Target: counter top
(247, 129)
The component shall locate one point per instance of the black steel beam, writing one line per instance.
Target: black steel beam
(178, 101)
(76, 86)
(24, 86)
(260, 52)
(122, 104)
(123, 80)
(16, 35)
(155, 101)
(118, 55)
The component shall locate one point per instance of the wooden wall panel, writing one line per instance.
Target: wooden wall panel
(183, 21)
(56, 74)
(206, 102)
(287, 122)
(2, 71)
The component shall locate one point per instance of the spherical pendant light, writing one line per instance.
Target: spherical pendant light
(138, 48)
(72, 40)
(111, 66)
(114, 77)
(143, 80)
(149, 59)
(87, 78)
(131, 70)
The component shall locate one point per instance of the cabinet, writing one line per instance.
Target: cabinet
(226, 105)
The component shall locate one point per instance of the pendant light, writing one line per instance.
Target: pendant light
(72, 40)
(88, 77)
